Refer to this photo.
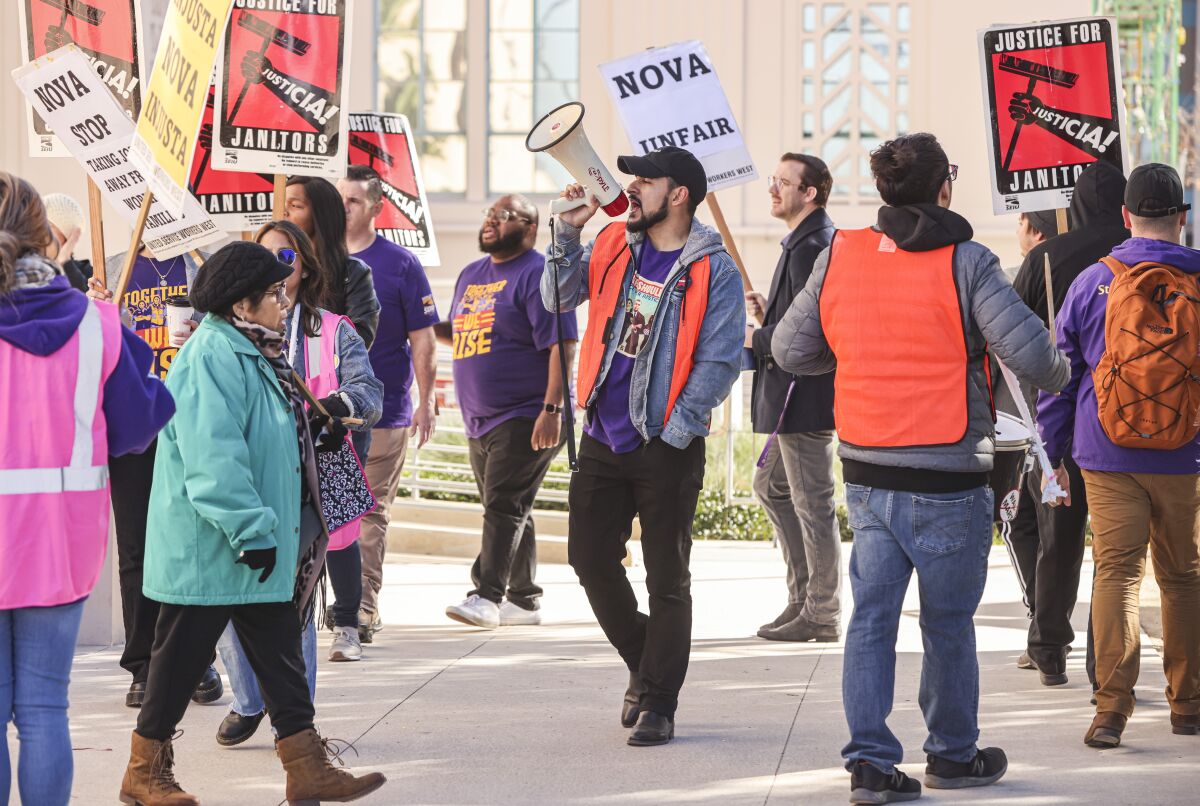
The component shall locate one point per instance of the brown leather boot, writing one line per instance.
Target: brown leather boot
(150, 778)
(312, 778)
(1185, 724)
(1106, 730)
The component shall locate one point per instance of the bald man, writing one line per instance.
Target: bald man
(509, 388)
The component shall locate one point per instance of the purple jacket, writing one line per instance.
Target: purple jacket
(1068, 421)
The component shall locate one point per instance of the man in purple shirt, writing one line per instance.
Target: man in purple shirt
(509, 388)
(404, 346)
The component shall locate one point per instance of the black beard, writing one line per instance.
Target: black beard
(648, 219)
(503, 243)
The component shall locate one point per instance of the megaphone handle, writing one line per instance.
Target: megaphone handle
(561, 205)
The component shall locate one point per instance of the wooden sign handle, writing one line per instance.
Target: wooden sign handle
(714, 207)
(316, 404)
(1049, 297)
(96, 229)
(278, 199)
(135, 246)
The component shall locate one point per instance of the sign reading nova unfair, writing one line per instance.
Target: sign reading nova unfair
(671, 96)
(165, 140)
(1055, 106)
(385, 143)
(65, 90)
(281, 88)
(108, 34)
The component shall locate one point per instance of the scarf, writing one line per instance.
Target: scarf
(314, 535)
(34, 271)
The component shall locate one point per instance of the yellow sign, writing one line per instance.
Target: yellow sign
(165, 139)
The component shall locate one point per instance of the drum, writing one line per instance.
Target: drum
(1012, 445)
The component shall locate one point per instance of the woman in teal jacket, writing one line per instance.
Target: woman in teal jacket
(234, 532)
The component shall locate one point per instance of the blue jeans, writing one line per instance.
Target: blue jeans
(37, 645)
(247, 696)
(946, 537)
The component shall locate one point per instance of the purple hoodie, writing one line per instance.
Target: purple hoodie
(1068, 421)
(136, 406)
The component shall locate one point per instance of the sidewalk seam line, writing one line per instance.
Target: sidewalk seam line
(792, 727)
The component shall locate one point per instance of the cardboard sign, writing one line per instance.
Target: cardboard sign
(385, 142)
(672, 97)
(237, 201)
(165, 140)
(74, 101)
(281, 89)
(106, 31)
(1054, 106)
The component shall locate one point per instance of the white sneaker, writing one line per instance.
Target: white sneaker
(346, 646)
(513, 615)
(476, 611)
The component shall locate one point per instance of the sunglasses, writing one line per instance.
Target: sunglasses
(286, 256)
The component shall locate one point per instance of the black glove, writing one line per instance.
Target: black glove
(259, 558)
(334, 432)
(335, 405)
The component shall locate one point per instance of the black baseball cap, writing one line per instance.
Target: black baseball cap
(677, 163)
(1154, 191)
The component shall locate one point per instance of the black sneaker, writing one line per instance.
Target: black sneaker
(869, 784)
(988, 767)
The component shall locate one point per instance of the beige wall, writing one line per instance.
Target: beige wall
(753, 47)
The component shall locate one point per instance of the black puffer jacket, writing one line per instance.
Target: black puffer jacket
(360, 303)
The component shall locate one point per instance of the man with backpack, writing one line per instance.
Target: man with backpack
(1129, 418)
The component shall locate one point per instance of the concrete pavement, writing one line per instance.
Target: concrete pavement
(528, 715)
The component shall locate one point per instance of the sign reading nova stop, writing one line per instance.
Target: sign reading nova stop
(1054, 106)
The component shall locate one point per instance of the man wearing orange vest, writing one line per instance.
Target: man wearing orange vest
(905, 311)
(663, 346)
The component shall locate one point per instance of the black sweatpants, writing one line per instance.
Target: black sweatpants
(131, 476)
(660, 485)
(508, 473)
(186, 639)
(1049, 545)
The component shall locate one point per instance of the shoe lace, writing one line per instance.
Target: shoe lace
(162, 766)
(334, 748)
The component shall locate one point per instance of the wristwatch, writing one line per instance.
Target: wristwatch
(550, 408)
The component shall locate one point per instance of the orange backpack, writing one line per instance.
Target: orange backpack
(1148, 380)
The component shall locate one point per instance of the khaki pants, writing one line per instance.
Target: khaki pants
(1129, 511)
(384, 465)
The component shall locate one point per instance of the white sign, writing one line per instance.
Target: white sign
(65, 90)
(672, 97)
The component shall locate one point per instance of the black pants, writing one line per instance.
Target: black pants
(1049, 544)
(345, 575)
(131, 477)
(660, 485)
(186, 639)
(508, 473)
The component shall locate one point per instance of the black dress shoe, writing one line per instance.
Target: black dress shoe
(789, 614)
(135, 695)
(236, 728)
(632, 705)
(651, 729)
(210, 688)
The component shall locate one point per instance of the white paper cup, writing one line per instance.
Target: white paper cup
(179, 311)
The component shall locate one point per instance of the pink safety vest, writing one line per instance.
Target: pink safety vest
(54, 499)
(321, 362)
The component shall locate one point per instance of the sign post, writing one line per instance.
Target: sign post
(96, 228)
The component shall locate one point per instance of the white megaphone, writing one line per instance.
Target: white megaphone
(560, 135)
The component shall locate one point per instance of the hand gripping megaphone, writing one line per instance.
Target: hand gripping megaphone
(560, 134)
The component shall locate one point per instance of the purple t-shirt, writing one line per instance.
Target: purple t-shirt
(502, 339)
(611, 423)
(406, 304)
(151, 284)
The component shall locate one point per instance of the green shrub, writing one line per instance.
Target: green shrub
(716, 520)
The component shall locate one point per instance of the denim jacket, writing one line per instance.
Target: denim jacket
(717, 360)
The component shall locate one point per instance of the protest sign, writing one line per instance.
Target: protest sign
(165, 140)
(74, 101)
(1054, 106)
(281, 89)
(671, 96)
(237, 201)
(106, 31)
(385, 143)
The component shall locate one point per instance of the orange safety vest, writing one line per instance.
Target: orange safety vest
(894, 322)
(606, 275)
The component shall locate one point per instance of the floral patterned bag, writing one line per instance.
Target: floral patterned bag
(345, 494)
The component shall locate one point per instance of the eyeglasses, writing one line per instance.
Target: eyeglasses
(779, 183)
(952, 175)
(502, 215)
(286, 256)
(279, 292)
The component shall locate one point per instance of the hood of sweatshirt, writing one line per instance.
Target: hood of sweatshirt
(923, 227)
(1143, 250)
(40, 320)
(1098, 196)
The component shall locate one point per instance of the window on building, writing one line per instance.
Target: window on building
(854, 86)
(533, 66)
(423, 74)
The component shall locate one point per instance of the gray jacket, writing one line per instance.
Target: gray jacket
(993, 317)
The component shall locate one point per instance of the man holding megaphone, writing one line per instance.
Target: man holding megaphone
(662, 348)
